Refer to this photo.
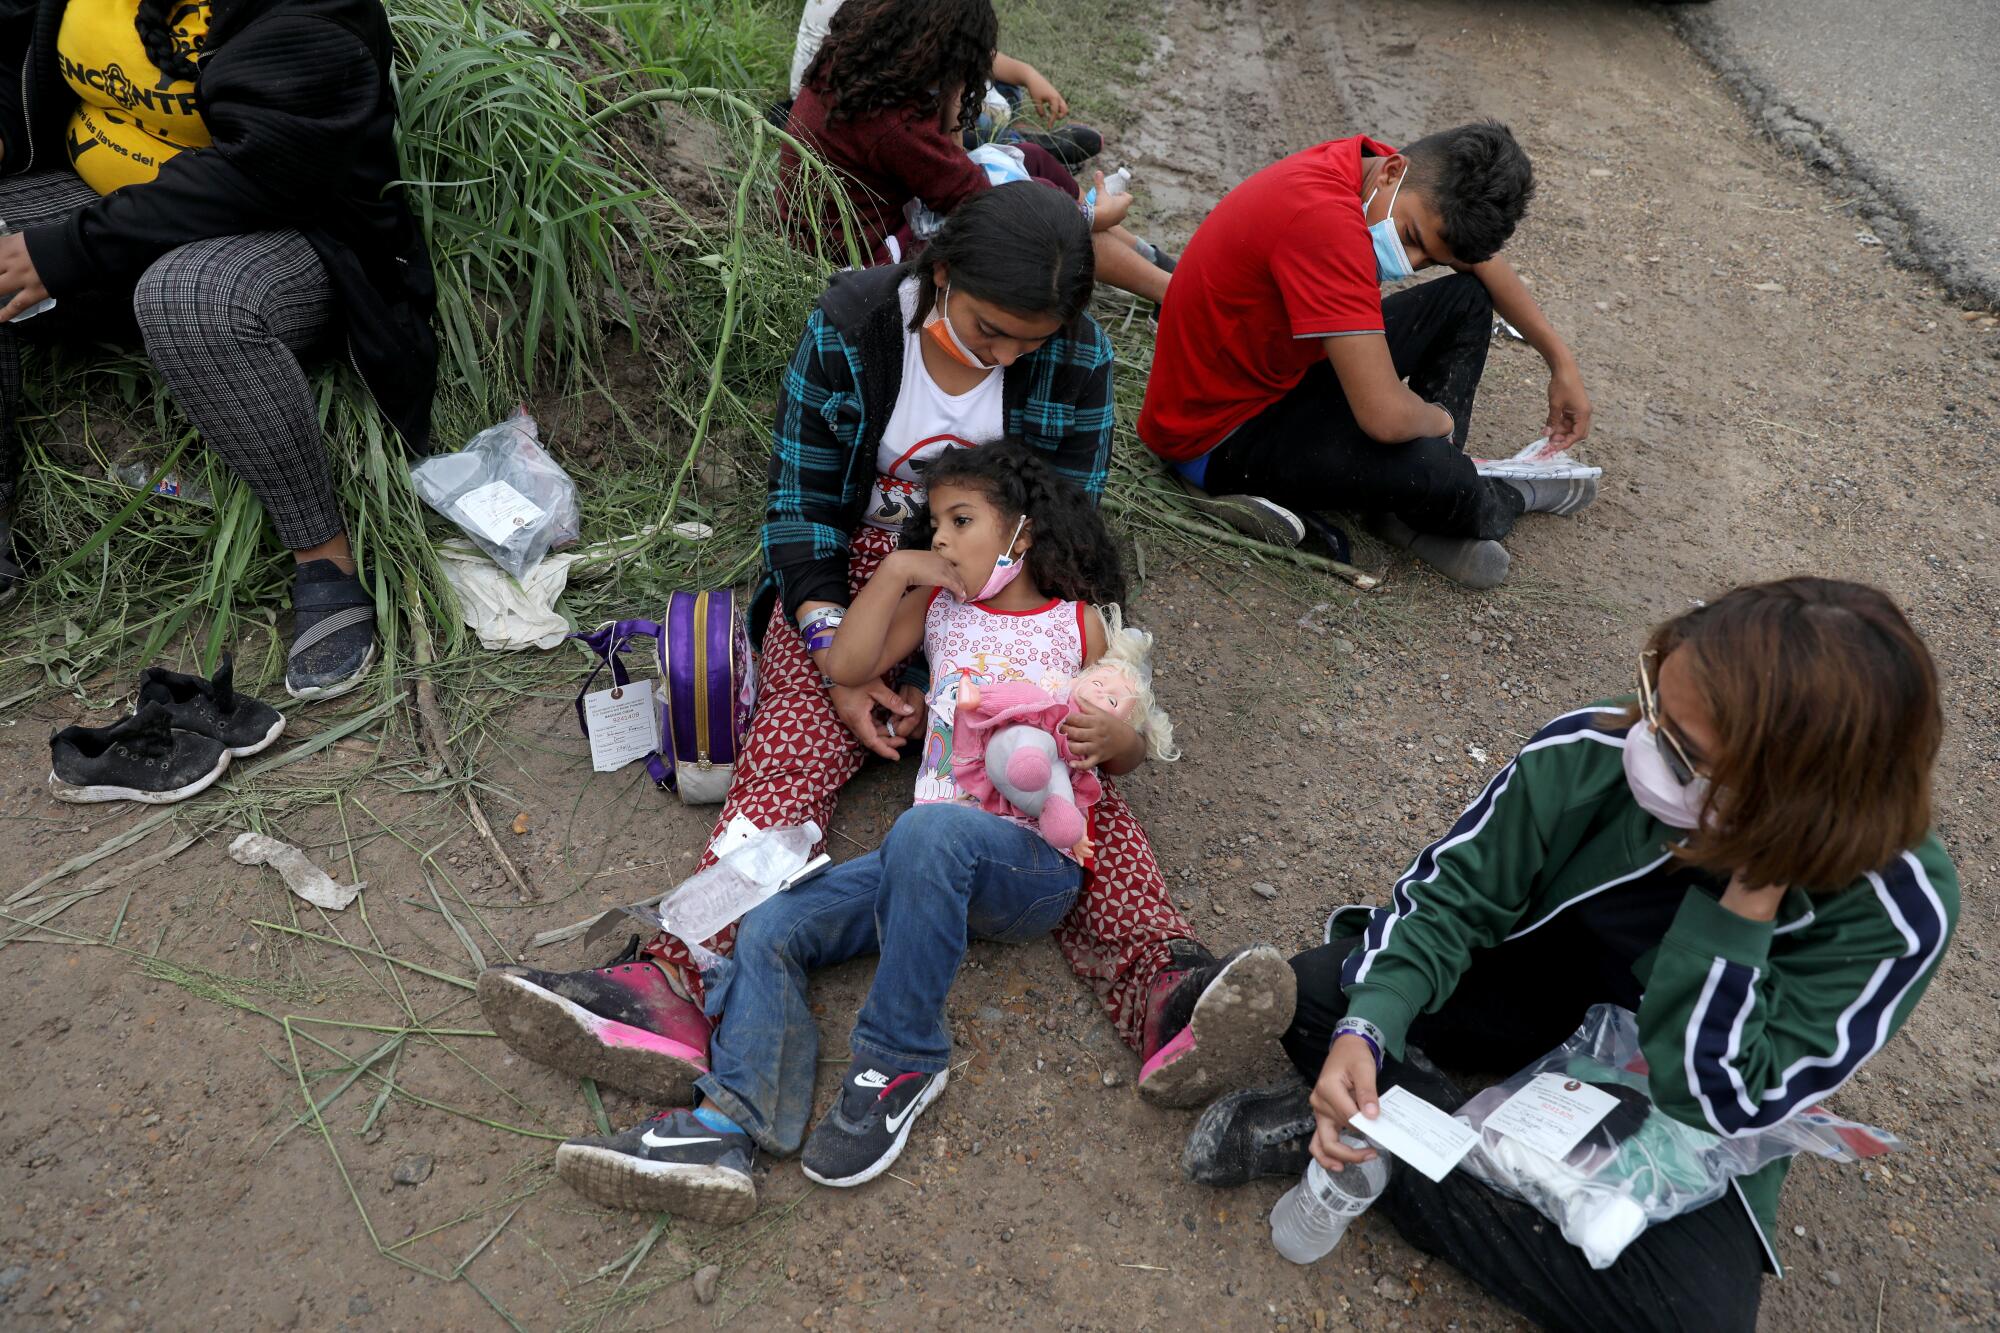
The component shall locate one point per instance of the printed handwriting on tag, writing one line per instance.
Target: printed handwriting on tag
(623, 724)
(1552, 1113)
(1414, 1131)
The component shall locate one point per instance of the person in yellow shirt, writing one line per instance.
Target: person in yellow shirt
(221, 174)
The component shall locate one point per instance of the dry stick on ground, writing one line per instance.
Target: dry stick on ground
(1359, 578)
(424, 698)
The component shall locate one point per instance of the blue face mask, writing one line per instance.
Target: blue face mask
(1392, 261)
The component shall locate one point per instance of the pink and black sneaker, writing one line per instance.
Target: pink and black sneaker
(1209, 1023)
(623, 1025)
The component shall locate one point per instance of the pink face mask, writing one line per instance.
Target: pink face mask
(1005, 570)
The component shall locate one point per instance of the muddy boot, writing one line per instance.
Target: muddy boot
(1463, 560)
(1209, 1022)
(622, 1024)
(1251, 1133)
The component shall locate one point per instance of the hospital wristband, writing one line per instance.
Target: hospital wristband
(1362, 1028)
(817, 629)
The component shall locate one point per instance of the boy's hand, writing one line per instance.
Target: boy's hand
(1045, 97)
(1346, 1089)
(1569, 408)
(925, 569)
(1096, 738)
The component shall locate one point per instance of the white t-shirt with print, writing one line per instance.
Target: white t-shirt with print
(926, 422)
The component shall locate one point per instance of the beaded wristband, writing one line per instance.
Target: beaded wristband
(1362, 1028)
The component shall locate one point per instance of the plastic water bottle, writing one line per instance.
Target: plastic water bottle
(1118, 182)
(1315, 1213)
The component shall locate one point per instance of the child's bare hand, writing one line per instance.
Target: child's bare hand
(1096, 737)
(926, 569)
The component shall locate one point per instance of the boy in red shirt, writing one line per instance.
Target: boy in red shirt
(1280, 367)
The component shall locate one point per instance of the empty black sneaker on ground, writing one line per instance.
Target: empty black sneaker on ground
(1251, 1133)
(212, 707)
(677, 1163)
(141, 758)
(870, 1122)
(333, 632)
(1071, 145)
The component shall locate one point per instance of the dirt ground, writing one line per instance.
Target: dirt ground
(1772, 397)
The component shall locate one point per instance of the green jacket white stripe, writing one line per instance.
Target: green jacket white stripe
(1743, 1023)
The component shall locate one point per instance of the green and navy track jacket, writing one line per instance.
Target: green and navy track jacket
(836, 400)
(1743, 1023)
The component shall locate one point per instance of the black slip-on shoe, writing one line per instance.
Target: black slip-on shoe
(139, 758)
(210, 706)
(333, 632)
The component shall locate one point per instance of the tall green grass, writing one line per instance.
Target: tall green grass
(572, 276)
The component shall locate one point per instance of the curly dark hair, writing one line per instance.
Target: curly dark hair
(1072, 555)
(151, 23)
(883, 54)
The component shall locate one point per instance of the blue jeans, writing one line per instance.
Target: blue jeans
(944, 875)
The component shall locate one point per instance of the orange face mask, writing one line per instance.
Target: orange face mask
(946, 336)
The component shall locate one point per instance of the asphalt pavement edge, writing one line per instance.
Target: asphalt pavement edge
(1877, 204)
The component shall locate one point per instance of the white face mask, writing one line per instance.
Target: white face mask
(1654, 786)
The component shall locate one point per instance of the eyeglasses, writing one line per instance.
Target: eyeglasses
(1676, 755)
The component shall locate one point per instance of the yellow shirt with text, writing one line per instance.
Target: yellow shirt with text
(129, 117)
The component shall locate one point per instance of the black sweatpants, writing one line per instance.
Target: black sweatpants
(1700, 1271)
(1308, 452)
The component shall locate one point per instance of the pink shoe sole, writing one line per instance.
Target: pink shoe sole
(1235, 1027)
(563, 1035)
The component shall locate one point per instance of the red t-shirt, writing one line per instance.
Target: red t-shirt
(1283, 261)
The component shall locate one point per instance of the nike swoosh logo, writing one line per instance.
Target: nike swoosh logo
(871, 1078)
(895, 1122)
(652, 1140)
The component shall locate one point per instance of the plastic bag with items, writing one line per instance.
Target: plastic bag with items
(1576, 1136)
(505, 492)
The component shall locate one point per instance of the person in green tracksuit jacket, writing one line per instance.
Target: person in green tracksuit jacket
(1742, 856)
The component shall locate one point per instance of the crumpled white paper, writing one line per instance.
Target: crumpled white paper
(301, 875)
(509, 615)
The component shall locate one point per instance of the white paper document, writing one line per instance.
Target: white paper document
(496, 509)
(1552, 1114)
(623, 724)
(1413, 1131)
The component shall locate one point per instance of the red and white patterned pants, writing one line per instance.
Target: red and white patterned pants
(799, 754)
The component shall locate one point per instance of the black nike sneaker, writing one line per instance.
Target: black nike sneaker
(864, 1133)
(1252, 1133)
(674, 1163)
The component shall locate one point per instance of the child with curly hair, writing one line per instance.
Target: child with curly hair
(996, 580)
(886, 103)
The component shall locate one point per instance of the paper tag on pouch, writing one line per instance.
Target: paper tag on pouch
(1413, 1131)
(496, 511)
(1552, 1114)
(623, 724)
